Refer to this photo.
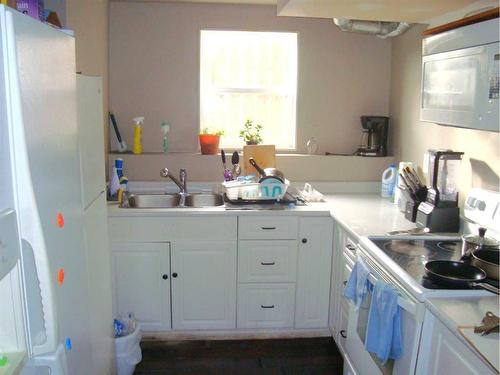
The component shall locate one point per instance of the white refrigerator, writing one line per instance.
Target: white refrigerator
(57, 293)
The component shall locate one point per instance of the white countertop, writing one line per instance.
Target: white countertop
(361, 214)
(468, 312)
(464, 311)
(366, 214)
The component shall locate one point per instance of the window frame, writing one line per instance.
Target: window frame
(294, 112)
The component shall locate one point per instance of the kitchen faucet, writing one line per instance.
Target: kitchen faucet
(181, 183)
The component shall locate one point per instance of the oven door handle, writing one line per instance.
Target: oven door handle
(404, 303)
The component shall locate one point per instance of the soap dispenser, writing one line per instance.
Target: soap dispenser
(137, 147)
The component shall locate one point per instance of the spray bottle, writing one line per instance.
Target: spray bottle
(165, 128)
(137, 147)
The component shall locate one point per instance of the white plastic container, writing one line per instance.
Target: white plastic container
(389, 178)
(128, 352)
(398, 200)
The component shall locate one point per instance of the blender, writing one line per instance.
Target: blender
(440, 212)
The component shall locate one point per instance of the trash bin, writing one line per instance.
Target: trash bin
(128, 352)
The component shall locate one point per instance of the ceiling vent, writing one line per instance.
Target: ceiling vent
(379, 28)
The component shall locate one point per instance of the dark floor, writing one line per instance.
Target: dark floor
(318, 356)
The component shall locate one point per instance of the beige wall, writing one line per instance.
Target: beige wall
(154, 71)
(89, 20)
(411, 137)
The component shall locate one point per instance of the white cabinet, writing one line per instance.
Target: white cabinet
(268, 227)
(266, 305)
(142, 283)
(342, 262)
(203, 285)
(339, 238)
(441, 352)
(313, 277)
(177, 273)
(267, 261)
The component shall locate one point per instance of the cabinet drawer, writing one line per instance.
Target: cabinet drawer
(266, 305)
(268, 227)
(267, 261)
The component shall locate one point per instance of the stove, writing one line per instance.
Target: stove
(412, 255)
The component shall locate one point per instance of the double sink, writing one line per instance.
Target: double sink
(197, 200)
(176, 200)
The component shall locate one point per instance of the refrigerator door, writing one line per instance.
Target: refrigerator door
(44, 125)
(99, 284)
(91, 137)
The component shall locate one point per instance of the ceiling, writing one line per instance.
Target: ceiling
(414, 11)
(267, 2)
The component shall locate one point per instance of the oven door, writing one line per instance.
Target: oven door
(411, 326)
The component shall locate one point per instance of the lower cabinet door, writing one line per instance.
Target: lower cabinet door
(204, 284)
(266, 305)
(141, 280)
(441, 352)
(314, 271)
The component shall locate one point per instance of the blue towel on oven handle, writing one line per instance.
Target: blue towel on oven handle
(383, 333)
(357, 285)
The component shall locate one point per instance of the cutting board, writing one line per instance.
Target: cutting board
(264, 155)
(487, 346)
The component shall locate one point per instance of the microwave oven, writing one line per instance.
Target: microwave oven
(460, 77)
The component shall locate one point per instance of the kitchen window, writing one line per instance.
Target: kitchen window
(249, 75)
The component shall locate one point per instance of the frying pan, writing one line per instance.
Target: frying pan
(268, 173)
(487, 260)
(457, 274)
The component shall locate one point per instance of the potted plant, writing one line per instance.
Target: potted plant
(251, 133)
(209, 141)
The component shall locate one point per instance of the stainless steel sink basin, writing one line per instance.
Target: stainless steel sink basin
(204, 200)
(153, 200)
(173, 200)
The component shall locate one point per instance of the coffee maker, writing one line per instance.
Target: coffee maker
(374, 136)
(440, 212)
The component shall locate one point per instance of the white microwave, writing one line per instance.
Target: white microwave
(460, 77)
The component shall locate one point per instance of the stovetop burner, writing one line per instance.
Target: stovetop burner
(447, 245)
(407, 248)
(412, 255)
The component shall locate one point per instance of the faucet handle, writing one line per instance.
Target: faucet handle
(182, 173)
(164, 172)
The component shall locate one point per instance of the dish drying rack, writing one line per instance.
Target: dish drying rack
(255, 191)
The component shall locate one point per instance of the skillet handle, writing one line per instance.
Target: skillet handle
(256, 166)
(488, 287)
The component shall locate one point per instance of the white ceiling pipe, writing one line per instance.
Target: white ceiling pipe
(378, 28)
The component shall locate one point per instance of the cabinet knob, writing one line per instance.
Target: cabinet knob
(174, 274)
(304, 240)
(343, 334)
(164, 276)
(344, 282)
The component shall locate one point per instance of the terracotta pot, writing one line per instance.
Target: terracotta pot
(209, 144)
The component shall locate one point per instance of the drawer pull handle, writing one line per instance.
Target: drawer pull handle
(267, 306)
(267, 263)
(350, 247)
(268, 228)
(343, 334)
(345, 283)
